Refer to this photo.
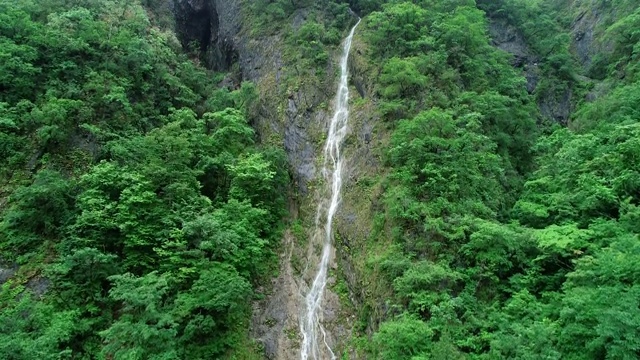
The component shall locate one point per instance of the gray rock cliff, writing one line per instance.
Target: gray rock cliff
(212, 26)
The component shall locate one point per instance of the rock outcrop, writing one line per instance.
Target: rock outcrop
(556, 104)
(211, 27)
(7, 271)
(583, 36)
(506, 37)
(224, 40)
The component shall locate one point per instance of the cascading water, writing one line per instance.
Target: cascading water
(310, 325)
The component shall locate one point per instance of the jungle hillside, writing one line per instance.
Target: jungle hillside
(160, 171)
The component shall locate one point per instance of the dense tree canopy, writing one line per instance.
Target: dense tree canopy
(145, 204)
(134, 190)
(508, 245)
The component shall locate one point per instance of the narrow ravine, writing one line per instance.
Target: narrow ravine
(313, 333)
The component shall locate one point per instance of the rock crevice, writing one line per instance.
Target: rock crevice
(210, 28)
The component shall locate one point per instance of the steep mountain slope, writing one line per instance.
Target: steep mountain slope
(141, 213)
(395, 253)
(155, 209)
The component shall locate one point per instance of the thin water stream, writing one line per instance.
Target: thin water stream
(313, 333)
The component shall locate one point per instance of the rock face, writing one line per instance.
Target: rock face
(38, 285)
(217, 28)
(275, 321)
(7, 271)
(587, 33)
(586, 42)
(555, 105)
(509, 39)
(211, 27)
(583, 36)
(298, 145)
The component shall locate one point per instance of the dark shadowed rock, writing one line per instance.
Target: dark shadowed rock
(38, 285)
(583, 40)
(553, 104)
(506, 37)
(299, 148)
(509, 39)
(7, 270)
(211, 25)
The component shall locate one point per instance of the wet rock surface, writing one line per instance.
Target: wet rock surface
(275, 319)
(299, 116)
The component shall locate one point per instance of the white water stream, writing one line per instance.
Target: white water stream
(313, 333)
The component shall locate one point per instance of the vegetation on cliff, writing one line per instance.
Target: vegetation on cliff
(507, 242)
(133, 190)
(136, 190)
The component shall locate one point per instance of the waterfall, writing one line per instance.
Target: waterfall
(313, 333)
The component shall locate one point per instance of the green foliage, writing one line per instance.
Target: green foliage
(541, 24)
(595, 316)
(38, 213)
(438, 55)
(446, 172)
(401, 79)
(400, 29)
(626, 36)
(524, 330)
(504, 245)
(364, 7)
(144, 330)
(153, 243)
(273, 10)
(309, 41)
(401, 339)
(217, 302)
(619, 108)
(34, 330)
(68, 69)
